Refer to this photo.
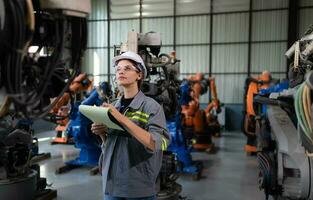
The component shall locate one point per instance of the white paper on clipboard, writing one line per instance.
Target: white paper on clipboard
(100, 115)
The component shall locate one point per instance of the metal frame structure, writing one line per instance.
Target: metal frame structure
(293, 28)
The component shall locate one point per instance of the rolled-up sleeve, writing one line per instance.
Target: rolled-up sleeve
(156, 126)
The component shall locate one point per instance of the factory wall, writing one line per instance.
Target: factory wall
(96, 55)
(227, 39)
(305, 15)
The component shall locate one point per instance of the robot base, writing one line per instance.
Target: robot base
(87, 157)
(170, 193)
(25, 188)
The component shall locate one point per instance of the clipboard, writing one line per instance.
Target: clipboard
(100, 115)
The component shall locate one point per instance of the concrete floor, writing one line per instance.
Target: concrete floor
(228, 174)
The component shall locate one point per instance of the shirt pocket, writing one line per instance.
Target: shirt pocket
(144, 173)
(137, 152)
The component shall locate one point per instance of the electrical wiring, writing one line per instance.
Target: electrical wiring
(12, 43)
(301, 118)
(266, 165)
(21, 42)
(268, 172)
(19, 69)
(31, 16)
(300, 112)
(13, 63)
(30, 23)
(263, 163)
(82, 36)
(307, 106)
(5, 106)
(298, 108)
(56, 56)
(264, 172)
(266, 161)
(306, 111)
(29, 97)
(264, 169)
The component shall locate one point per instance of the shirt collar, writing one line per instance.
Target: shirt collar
(136, 102)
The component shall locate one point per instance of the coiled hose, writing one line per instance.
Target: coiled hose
(303, 110)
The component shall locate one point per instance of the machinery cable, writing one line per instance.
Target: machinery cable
(299, 108)
(26, 95)
(306, 106)
(82, 24)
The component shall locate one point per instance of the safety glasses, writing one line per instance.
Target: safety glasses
(125, 68)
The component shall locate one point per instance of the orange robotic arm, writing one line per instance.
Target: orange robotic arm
(193, 107)
(215, 102)
(80, 83)
(260, 82)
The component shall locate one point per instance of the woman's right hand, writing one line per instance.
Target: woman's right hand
(100, 130)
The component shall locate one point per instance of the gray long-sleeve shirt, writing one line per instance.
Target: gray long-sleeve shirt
(129, 169)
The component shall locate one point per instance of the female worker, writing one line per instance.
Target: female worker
(131, 159)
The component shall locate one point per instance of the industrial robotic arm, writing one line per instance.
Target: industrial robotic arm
(60, 113)
(80, 83)
(79, 128)
(200, 124)
(253, 85)
(199, 85)
(42, 43)
(215, 103)
(41, 46)
(284, 130)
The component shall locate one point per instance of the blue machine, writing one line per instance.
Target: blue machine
(178, 143)
(79, 129)
(276, 88)
(184, 93)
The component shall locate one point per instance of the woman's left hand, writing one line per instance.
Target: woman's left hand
(118, 116)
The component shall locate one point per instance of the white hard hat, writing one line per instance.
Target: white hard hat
(134, 57)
